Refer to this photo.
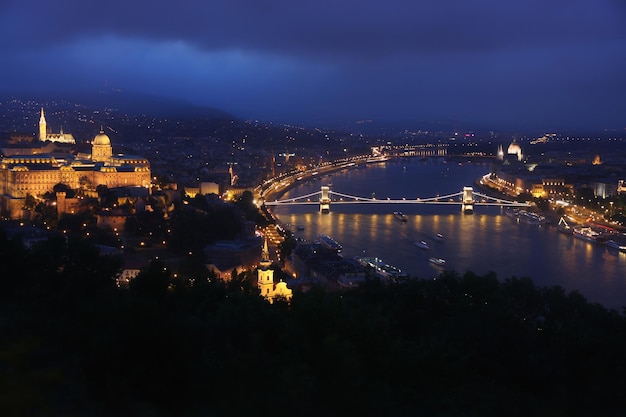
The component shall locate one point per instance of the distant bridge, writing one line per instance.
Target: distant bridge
(465, 198)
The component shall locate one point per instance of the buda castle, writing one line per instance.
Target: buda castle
(37, 171)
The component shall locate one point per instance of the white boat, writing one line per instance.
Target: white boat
(589, 234)
(524, 216)
(439, 237)
(381, 268)
(531, 218)
(400, 216)
(422, 244)
(437, 261)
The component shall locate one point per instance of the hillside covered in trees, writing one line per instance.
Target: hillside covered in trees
(72, 343)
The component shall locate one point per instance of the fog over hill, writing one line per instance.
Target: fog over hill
(130, 114)
(124, 101)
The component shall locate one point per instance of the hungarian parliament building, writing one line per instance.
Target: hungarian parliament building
(53, 159)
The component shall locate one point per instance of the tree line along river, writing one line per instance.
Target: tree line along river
(482, 242)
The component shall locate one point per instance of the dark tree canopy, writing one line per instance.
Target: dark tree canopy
(459, 345)
(192, 229)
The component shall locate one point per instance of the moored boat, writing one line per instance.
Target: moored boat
(617, 241)
(621, 246)
(524, 216)
(589, 234)
(329, 243)
(564, 227)
(381, 268)
(531, 218)
(512, 213)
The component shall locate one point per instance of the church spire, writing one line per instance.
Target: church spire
(266, 262)
(266, 251)
(265, 279)
(43, 131)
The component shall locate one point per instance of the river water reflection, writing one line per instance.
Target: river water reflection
(487, 240)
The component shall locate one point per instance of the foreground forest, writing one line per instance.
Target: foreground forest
(73, 344)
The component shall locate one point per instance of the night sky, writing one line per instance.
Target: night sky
(543, 64)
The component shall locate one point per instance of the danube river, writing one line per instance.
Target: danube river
(485, 241)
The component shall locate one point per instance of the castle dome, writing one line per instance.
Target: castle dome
(102, 139)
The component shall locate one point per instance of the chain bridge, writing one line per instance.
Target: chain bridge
(466, 198)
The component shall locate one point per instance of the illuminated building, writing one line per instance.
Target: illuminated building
(500, 154)
(265, 279)
(44, 135)
(36, 173)
(515, 149)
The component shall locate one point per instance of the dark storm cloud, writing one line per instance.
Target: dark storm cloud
(488, 59)
(325, 27)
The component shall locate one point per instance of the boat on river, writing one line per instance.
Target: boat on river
(329, 243)
(422, 244)
(525, 216)
(437, 261)
(400, 216)
(589, 234)
(381, 268)
(564, 227)
(620, 246)
(617, 241)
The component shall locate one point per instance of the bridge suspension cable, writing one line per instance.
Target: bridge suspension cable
(351, 196)
(497, 201)
(295, 200)
(376, 200)
(444, 199)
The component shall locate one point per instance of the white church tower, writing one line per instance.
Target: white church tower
(265, 275)
(43, 132)
(265, 279)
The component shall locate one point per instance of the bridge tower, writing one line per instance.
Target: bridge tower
(325, 199)
(468, 200)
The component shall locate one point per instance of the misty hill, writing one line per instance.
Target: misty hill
(137, 120)
(120, 100)
(141, 103)
(84, 113)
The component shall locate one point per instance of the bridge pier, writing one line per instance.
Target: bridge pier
(467, 206)
(325, 200)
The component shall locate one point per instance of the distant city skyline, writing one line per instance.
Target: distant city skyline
(530, 65)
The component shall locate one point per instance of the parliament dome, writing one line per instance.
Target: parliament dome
(515, 149)
(102, 139)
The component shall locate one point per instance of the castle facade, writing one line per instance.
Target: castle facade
(37, 172)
